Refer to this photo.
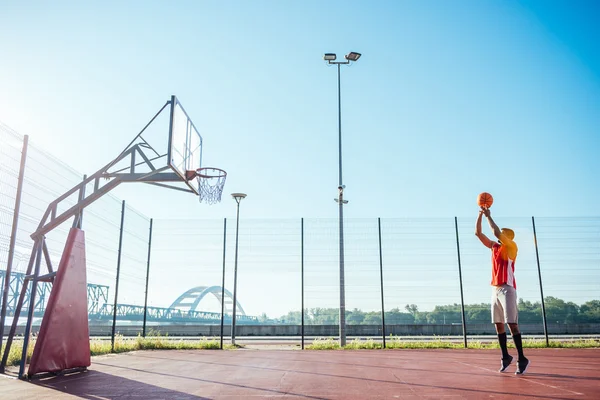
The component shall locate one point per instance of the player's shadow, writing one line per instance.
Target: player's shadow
(95, 385)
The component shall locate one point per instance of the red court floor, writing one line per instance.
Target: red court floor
(294, 374)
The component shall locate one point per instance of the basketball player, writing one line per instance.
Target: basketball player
(504, 289)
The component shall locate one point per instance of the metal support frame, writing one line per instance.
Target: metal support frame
(78, 220)
(104, 180)
(18, 309)
(26, 336)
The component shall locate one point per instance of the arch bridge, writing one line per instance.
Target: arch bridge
(186, 308)
(190, 300)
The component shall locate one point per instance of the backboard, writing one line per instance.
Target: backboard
(185, 144)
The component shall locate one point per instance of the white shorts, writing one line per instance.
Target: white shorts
(504, 305)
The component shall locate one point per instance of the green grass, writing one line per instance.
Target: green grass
(368, 344)
(155, 342)
(395, 342)
(122, 345)
(14, 356)
(576, 344)
(324, 344)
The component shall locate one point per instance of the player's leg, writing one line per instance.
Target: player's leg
(498, 319)
(500, 328)
(512, 317)
(516, 335)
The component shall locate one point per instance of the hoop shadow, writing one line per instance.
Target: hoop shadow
(98, 385)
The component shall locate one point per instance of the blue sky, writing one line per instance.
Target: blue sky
(448, 100)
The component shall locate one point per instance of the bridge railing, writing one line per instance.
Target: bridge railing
(130, 312)
(97, 295)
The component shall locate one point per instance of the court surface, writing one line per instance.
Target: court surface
(294, 374)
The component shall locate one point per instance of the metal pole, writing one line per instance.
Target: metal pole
(237, 229)
(147, 279)
(381, 280)
(223, 282)
(537, 256)
(30, 314)
(341, 217)
(114, 324)
(302, 276)
(18, 307)
(340, 121)
(462, 301)
(13, 237)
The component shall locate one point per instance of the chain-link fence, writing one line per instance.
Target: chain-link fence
(282, 277)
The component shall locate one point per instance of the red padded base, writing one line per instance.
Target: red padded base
(64, 338)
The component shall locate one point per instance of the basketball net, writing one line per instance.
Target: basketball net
(210, 184)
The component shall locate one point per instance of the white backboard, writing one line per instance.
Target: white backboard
(185, 144)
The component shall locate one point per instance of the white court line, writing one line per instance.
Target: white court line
(523, 378)
(422, 396)
(403, 382)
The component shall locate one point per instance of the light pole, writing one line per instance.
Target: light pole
(238, 198)
(330, 58)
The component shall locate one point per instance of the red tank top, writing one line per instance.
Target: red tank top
(503, 266)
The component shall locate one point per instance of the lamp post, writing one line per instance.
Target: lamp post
(330, 58)
(238, 198)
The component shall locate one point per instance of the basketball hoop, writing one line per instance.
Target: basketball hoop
(210, 183)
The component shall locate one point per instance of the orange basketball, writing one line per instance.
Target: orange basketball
(485, 200)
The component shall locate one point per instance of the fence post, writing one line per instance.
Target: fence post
(114, 324)
(462, 301)
(19, 306)
(223, 282)
(147, 279)
(537, 256)
(13, 237)
(302, 276)
(381, 280)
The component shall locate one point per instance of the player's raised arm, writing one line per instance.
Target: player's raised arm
(484, 239)
(493, 225)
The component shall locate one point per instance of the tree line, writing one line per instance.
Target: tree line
(557, 311)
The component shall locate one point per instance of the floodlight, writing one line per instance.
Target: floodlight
(238, 196)
(352, 56)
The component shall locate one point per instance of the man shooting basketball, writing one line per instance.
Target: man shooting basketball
(504, 289)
